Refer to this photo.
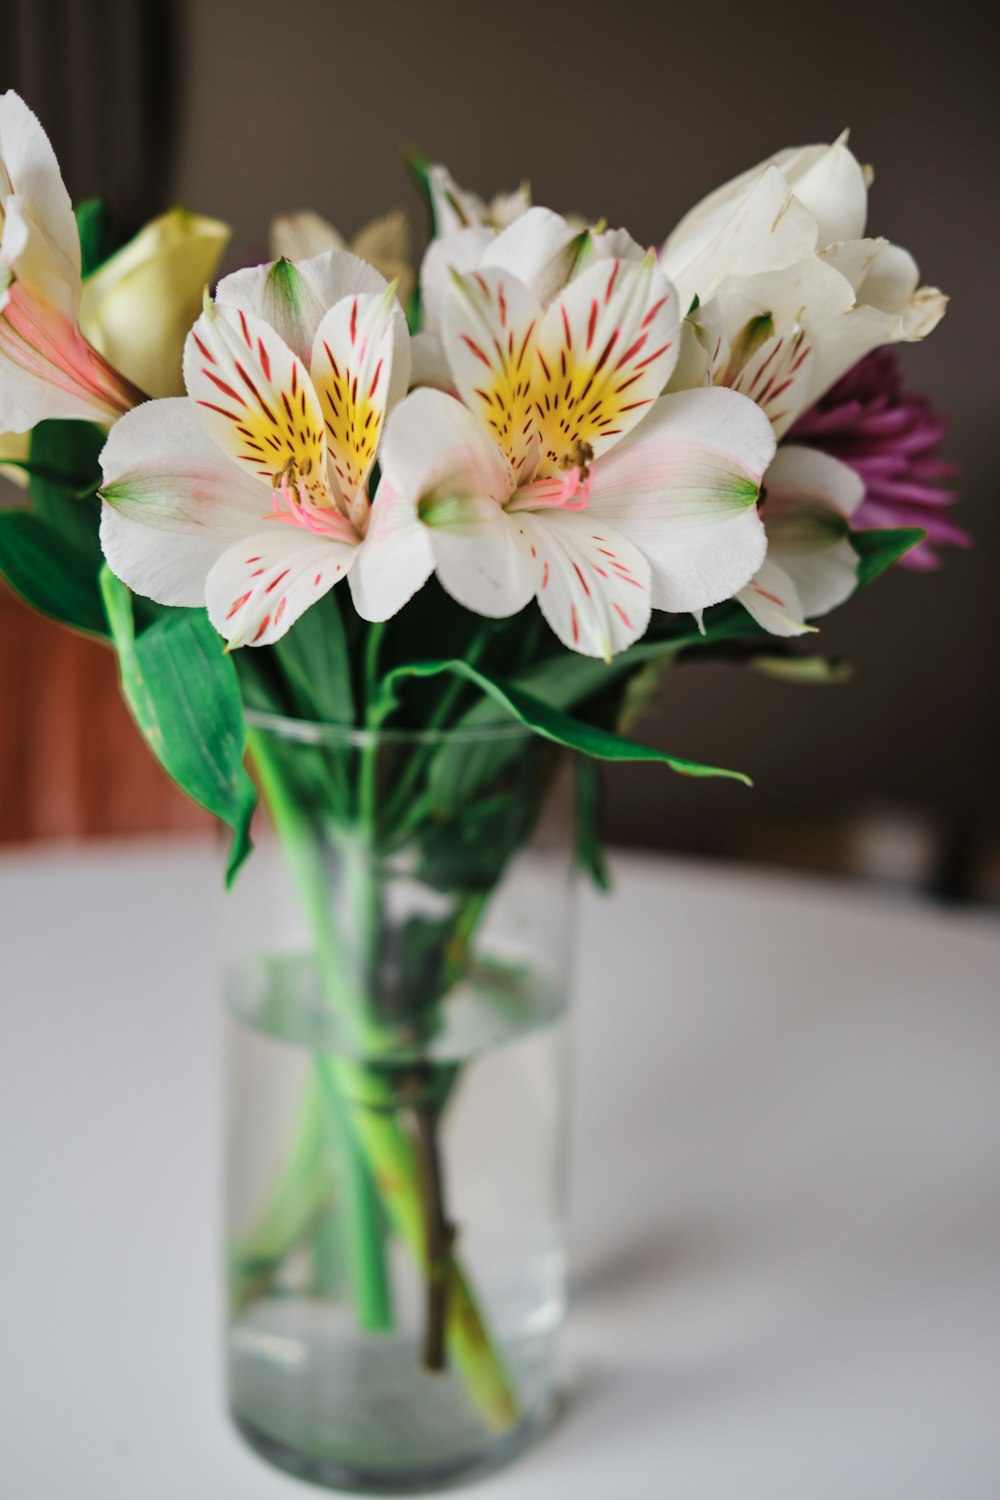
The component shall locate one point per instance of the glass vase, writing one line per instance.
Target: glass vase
(397, 1103)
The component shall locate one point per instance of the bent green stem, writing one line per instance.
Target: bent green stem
(363, 1096)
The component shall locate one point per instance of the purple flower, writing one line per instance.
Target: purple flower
(890, 437)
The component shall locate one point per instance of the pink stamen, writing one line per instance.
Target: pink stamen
(295, 508)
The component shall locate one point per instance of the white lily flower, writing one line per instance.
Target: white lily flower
(384, 244)
(250, 494)
(783, 243)
(47, 367)
(561, 473)
(810, 567)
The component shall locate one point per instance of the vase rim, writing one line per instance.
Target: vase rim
(355, 737)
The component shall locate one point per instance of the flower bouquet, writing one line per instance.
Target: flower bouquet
(394, 551)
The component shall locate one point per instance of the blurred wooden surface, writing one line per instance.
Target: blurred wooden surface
(72, 763)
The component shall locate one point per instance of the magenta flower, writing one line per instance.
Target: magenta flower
(890, 437)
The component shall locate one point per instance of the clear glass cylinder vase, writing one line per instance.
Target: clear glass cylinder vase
(397, 1108)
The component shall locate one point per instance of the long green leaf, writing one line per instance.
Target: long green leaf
(43, 566)
(542, 719)
(185, 698)
(50, 554)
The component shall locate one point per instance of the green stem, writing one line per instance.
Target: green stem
(373, 1296)
(375, 1113)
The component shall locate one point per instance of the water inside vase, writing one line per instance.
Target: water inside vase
(333, 1386)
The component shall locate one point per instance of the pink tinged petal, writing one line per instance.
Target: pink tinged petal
(772, 599)
(353, 376)
(605, 351)
(173, 502)
(48, 369)
(255, 399)
(260, 586)
(539, 249)
(593, 585)
(49, 257)
(490, 327)
(683, 488)
(395, 558)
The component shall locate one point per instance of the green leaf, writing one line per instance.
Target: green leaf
(51, 554)
(185, 698)
(544, 720)
(314, 661)
(93, 222)
(45, 567)
(878, 550)
(589, 849)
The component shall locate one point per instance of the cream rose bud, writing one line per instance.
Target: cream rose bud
(138, 307)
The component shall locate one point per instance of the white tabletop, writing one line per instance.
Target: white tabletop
(787, 1192)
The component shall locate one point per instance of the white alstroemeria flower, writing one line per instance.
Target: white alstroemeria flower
(47, 367)
(783, 243)
(250, 494)
(137, 308)
(455, 208)
(811, 566)
(384, 244)
(561, 473)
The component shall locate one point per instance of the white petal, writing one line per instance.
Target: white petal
(763, 230)
(829, 182)
(683, 488)
(798, 471)
(452, 207)
(50, 261)
(458, 251)
(606, 348)
(261, 586)
(489, 329)
(433, 446)
(301, 235)
(429, 364)
(356, 378)
(593, 584)
(174, 503)
(771, 597)
(540, 249)
(809, 497)
(255, 398)
(482, 556)
(395, 559)
(617, 244)
(294, 298)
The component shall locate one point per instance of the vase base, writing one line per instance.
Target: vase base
(426, 1478)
